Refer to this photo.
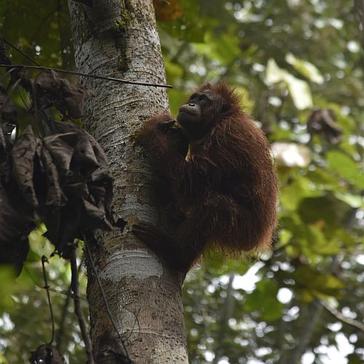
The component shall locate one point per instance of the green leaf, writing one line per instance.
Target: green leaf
(300, 92)
(222, 49)
(294, 192)
(317, 282)
(298, 89)
(307, 69)
(354, 201)
(264, 300)
(346, 167)
(315, 243)
(326, 208)
(39, 244)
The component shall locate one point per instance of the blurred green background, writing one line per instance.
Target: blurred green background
(298, 65)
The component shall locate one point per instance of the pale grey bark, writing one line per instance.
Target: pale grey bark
(119, 39)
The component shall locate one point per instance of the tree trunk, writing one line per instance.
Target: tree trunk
(225, 314)
(119, 39)
(310, 319)
(359, 9)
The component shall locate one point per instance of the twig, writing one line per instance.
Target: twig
(59, 70)
(89, 256)
(46, 287)
(59, 291)
(342, 318)
(78, 312)
(69, 295)
(62, 321)
(20, 52)
(65, 293)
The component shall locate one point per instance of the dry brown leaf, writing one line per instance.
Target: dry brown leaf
(167, 10)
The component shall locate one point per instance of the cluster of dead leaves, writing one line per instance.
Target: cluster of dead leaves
(167, 10)
(46, 354)
(60, 178)
(323, 122)
(53, 91)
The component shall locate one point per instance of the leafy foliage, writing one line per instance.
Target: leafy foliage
(48, 177)
(294, 59)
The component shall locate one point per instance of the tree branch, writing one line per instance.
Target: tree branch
(337, 314)
(78, 311)
(59, 70)
(46, 287)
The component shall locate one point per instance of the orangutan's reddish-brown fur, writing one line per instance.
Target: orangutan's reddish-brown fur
(217, 174)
